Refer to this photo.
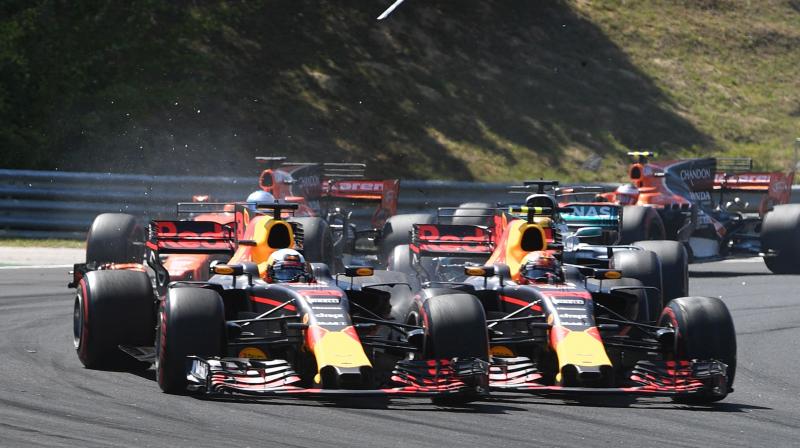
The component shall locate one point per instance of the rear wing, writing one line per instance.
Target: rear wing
(451, 240)
(589, 214)
(185, 237)
(191, 237)
(312, 182)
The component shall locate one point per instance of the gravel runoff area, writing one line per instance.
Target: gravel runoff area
(40, 256)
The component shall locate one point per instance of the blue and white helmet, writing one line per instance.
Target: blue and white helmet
(261, 197)
(257, 198)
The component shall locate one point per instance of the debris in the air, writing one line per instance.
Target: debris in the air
(390, 9)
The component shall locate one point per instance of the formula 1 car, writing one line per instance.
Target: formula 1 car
(699, 203)
(326, 194)
(577, 330)
(314, 335)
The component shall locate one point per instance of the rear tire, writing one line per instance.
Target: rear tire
(317, 241)
(115, 238)
(397, 231)
(704, 331)
(649, 304)
(674, 267)
(466, 213)
(640, 223)
(112, 308)
(780, 232)
(191, 321)
(642, 265)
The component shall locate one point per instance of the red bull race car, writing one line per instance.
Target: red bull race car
(266, 322)
(557, 328)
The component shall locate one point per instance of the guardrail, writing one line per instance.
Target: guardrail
(54, 204)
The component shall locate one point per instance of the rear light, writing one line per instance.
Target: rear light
(636, 172)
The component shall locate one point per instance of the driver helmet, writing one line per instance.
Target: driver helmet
(540, 266)
(627, 194)
(259, 197)
(285, 266)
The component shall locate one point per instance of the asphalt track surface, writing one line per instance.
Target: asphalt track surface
(48, 399)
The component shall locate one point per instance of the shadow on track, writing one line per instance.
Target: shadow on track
(727, 274)
(619, 402)
(404, 404)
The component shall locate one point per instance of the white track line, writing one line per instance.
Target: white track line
(50, 266)
(744, 260)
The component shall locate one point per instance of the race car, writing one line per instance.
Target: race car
(251, 329)
(703, 204)
(326, 194)
(557, 328)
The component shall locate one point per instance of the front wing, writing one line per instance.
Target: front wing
(648, 378)
(264, 378)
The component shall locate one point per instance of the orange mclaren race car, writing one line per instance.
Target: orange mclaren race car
(561, 328)
(266, 322)
(335, 194)
(703, 204)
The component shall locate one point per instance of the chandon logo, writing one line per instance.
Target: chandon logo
(696, 174)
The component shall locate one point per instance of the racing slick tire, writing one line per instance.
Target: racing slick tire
(115, 238)
(455, 327)
(640, 223)
(642, 265)
(113, 308)
(704, 331)
(466, 213)
(674, 267)
(401, 260)
(317, 241)
(397, 231)
(648, 307)
(191, 321)
(780, 232)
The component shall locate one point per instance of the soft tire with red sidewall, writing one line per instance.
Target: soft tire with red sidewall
(112, 308)
(704, 331)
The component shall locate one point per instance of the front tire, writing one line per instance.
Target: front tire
(704, 331)
(191, 321)
(455, 327)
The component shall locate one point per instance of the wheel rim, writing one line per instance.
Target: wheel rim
(77, 321)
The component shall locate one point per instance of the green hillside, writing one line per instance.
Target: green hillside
(467, 89)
